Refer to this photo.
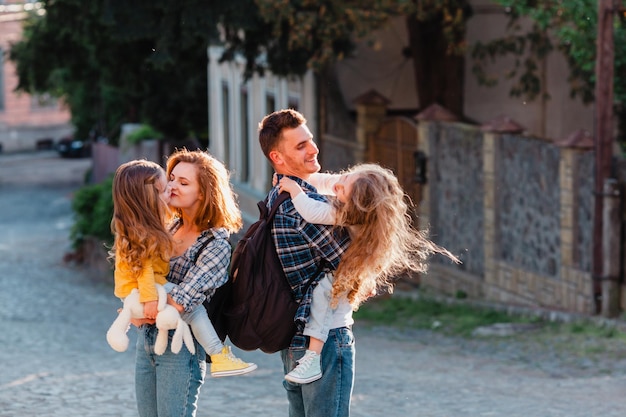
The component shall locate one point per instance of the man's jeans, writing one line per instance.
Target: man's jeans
(329, 396)
(168, 384)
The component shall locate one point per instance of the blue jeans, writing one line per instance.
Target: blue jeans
(167, 385)
(331, 395)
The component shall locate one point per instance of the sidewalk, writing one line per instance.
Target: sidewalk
(56, 362)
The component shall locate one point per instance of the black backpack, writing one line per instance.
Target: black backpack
(262, 307)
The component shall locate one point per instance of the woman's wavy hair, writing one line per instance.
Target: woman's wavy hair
(384, 242)
(218, 207)
(139, 214)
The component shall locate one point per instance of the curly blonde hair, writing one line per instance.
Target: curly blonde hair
(139, 214)
(384, 241)
(218, 207)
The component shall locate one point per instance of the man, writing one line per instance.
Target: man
(307, 251)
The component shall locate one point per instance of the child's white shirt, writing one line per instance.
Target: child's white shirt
(314, 211)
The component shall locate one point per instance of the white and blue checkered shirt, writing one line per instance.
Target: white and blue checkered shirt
(201, 269)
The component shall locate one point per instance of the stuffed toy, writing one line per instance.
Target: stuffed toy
(167, 318)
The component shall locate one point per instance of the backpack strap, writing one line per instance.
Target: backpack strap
(204, 244)
(282, 197)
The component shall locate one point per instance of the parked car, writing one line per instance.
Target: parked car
(69, 147)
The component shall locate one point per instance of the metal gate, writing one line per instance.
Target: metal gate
(395, 146)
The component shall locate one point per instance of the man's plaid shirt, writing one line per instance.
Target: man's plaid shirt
(301, 248)
(198, 280)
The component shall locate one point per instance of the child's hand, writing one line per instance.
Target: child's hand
(274, 179)
(289, 185)
(150, 309)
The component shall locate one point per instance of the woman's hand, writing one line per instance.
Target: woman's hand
(141, 322)
(173, 303)
(150, 309)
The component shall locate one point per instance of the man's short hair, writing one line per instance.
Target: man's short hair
(272, 126)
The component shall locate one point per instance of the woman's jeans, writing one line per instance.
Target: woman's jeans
(331, 395)
(167, 385)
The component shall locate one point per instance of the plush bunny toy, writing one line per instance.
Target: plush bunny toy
(167, 318)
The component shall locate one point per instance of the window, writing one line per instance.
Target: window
(294, 103)
(270, 106)
(245, 140)
(270, 103)
(2, 80)
(226, 122)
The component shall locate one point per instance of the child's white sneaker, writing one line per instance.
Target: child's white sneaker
(307, 370)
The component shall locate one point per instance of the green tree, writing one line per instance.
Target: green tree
(310, 34)
(567, 26)
(118, 62)
(145, 60)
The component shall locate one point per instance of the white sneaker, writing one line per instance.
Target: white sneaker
(307, 370)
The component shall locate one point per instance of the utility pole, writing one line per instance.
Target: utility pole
(603, 137)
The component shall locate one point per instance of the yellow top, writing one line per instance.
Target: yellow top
(153, 272)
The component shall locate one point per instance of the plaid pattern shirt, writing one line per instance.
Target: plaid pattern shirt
(197, 280)
(302, 247)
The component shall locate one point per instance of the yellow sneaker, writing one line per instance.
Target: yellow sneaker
(227, 364)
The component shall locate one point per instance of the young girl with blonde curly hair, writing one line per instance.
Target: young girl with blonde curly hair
(145, 242)
(370, 202)
(142, 244)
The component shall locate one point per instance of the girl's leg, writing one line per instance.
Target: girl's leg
(223, 362)
(321, 315)
(309, 368)
(203, 330)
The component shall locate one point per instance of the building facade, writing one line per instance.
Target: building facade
(27, 122)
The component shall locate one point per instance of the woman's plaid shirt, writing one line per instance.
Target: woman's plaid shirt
(198, 280)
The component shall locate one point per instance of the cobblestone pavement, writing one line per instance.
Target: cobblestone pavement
(55, 360)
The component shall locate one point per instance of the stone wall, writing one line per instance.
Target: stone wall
(518, 212)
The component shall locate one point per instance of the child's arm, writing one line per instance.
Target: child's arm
(289, 185)
(324, 182)
(147, 290)
(313, 211)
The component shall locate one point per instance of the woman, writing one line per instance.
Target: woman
(205, 210)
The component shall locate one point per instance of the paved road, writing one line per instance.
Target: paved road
(55, 361)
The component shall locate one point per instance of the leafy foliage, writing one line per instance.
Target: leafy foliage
(93, 210)
(144, 132)
(133, 61)
(569, 26)
(309, 34)
(113, 67)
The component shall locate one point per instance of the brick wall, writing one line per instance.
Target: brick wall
(23, 123)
